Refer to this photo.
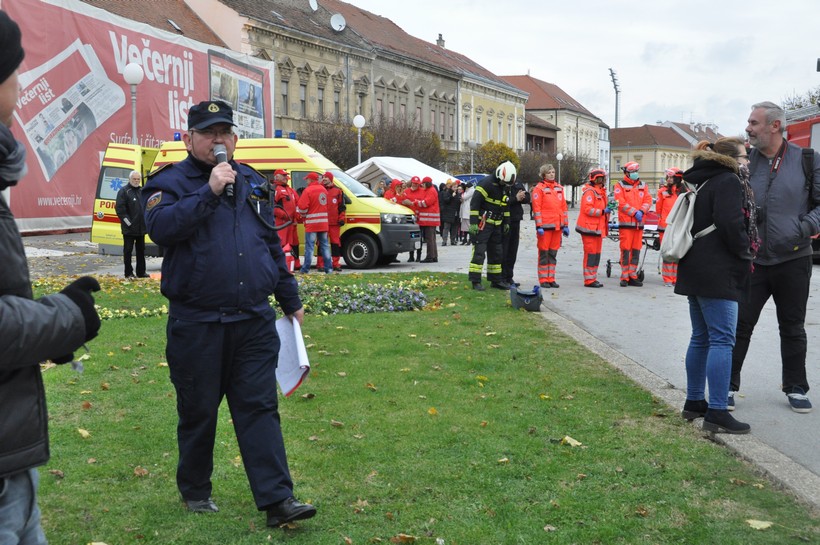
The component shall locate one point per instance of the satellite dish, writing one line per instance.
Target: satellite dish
(314, 5)
(337, 22)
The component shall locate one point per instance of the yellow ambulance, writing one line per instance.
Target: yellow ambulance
(375, 231)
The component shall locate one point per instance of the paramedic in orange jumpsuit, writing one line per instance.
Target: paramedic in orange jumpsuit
(634, 200)
(593, 223)
(549, 208)
(285, 198)
(667, 195)
(335, 219)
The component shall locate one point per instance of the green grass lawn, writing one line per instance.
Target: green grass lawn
(466, 423)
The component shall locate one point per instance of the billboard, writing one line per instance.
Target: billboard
(74, 100)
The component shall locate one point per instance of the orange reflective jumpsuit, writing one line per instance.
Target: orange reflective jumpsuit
(667, 195)
(549, 209)
(593, 225)
(633, 197)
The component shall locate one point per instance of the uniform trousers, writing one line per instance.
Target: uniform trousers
(489, 243)
(592, 257)
(237, 361)
(511, 241)
(631, 241)
(788, 283)
(129, 244)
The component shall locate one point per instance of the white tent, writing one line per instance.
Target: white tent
(376, 169)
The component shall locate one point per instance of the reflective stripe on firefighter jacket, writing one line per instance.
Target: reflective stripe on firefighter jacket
(312, 206)
(633, 197)
(549, 205)
(592, 218)
(489, 198)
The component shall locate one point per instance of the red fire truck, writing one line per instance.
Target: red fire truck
(803, 128)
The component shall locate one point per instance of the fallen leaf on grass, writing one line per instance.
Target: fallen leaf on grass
(490, 334)
(85, 434)
(759, 524)
(308, 396)
(126, 348)
(337, 424)
(370, 386)
(86, 405)
(403, 538)
(162, 364)
(57, 473)
(432, 411)
(105, 386)
(567, 440)
(550, 528)
(642, 511)
(341, 374)
(412, 335)
(348, 541)
(504, 460)
(140, 471)
(482, 378)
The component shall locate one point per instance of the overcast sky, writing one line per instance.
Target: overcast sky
(699, 60)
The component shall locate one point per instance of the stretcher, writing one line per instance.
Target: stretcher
(651, 241)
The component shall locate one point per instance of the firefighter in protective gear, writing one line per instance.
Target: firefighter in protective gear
(593, 224)
(335, 219)
(549, 209)
(634, 201)
(423, 200)
(285, 199)
(667, 195)
(489, 217)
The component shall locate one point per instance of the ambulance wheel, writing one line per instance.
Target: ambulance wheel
(640, 276)
(608, 268)
(360, 251)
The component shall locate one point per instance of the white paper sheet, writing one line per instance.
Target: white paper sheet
(293, 359)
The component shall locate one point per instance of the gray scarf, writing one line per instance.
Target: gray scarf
(12, 159)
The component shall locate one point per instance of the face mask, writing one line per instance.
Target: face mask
(634, 175)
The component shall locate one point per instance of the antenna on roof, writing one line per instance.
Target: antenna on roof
(176, 26)
(314, 5)
(337, 22)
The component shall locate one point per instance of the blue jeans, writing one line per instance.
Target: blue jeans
(709, 356)
(19, 513)
(324, 249)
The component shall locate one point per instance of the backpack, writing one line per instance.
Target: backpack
(678, 238)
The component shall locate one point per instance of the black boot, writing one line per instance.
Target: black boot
(412, 257)
(418, 256)
(694, 409)
(722, 422)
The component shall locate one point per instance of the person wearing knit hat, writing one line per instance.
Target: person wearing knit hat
(51, 327)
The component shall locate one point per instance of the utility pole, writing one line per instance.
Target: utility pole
(614, 77)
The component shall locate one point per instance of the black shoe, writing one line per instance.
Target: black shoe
(412, 257)
(337, 269)
(722, 422)
(444, 243)
(502, 285)
(429, 260)
(128, 275)
(514, 284)
(624, 283)
(694, 409)
(554, 285)
(478, 286)
(546, 284)
(143, 275)
(635, 282)
(201, 506)
(595, 284)
(289, 510)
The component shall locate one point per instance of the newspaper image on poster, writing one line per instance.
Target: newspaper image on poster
(241, 86)
(62, 101)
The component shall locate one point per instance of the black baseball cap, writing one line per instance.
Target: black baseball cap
(209, 112)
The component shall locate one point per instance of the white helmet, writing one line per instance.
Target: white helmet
(506, 173)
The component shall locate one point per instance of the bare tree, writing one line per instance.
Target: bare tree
(795, 101)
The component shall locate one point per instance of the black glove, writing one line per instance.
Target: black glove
(63, 359)
(79, 291)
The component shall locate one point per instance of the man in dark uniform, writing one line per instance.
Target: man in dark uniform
(222, 261)
(132, 224)
(489, 221)
(517, 197)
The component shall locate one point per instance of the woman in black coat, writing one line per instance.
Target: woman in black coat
(715, 274)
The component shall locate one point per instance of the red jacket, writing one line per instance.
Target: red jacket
(287, 197)
(425, 205)
(592, 218)
(549, 205)
(312, 207)
(632, 197)
(391, 194)
(663, 204)
(335, 205)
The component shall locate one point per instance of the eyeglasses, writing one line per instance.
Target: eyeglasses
(213, 133)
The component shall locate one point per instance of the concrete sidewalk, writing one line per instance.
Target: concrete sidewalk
(642, 331)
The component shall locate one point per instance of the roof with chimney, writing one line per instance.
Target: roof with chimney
(170, 15)
(546, 96)
(647, 136)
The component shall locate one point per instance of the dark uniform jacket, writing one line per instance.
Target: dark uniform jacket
(222, 258)
(30, 332)
(129, 210)
(516, 207)
(489, 201)
(719, 264)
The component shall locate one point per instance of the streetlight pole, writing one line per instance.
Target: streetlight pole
(358, 122)
(472, 145)
(614, 77)
(133, 74)
(559, 157)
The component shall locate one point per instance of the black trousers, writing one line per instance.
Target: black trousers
(488, 242)
(129, 244)
(788, 283)
(237, 360)
(511, 241)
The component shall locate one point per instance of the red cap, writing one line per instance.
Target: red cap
(427, 180)
(328, 175)
(312, 176)
(415, 180)
(281, 172)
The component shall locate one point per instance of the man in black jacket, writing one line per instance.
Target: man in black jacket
(518, 196)
(132, 222)
(30, 331)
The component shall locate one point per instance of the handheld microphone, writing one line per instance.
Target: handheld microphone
(221, 153)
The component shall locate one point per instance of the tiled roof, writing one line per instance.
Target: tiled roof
(546, 96)
(698, 131)
(158, 15)
(647, 136)
(533, 120)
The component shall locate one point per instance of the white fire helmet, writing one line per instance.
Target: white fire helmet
(506, 173)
